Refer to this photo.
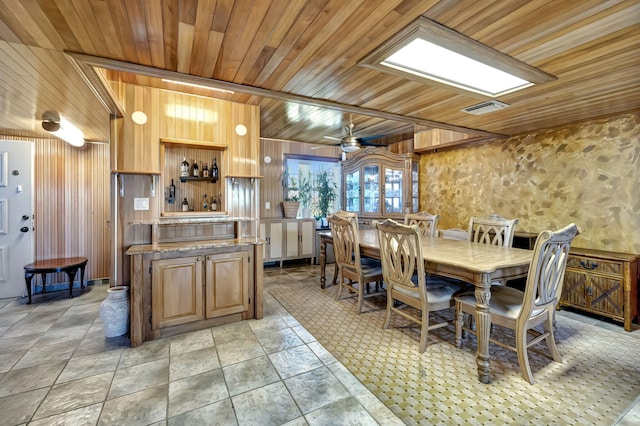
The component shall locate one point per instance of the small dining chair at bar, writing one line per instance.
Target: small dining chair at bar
(427, 222)
(521, 311)
(356, 272)
(407, 284)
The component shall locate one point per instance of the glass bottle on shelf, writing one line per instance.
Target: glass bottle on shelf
(172, 192)
(185, 205)
(196, 170)
(205, 204)
(205, 170)
(184, 167)
(214, 204)
(214, 170)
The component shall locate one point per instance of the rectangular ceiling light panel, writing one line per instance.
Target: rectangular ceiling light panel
(428, 51)
(426, 59)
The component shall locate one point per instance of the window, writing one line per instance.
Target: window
(303, 169)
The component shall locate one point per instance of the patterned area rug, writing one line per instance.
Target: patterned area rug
(598, 379)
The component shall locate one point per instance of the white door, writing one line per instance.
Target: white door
(16, 215)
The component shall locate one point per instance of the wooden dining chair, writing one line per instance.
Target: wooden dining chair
(404, 275)
(351, 267)
(493, 229)
(427, 222)
(521, 311)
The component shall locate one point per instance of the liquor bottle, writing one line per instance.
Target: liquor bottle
(185, 205)
(184, 167)
(172, 191)
(214, 170)
(214, 204)
(205, 204)
(205, 170)
(196, 170)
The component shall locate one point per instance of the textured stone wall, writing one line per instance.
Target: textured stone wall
(588, 174)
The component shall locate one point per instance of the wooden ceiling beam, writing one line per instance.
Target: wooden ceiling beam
(112, 64)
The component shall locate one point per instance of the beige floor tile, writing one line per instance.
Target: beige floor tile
(90, 365)
(192, 341)
(148, 351)
(315, 389)
(140, 408)
(294, 361)
(221, 411)
(193, 363)
(139, 377)
(19, 408)
(268, 405)
(249, 375)
(80, 417)
(47, 354)
(348, 410)
(22, 380)
(196, 391)
(72, 395)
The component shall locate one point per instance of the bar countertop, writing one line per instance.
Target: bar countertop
(185, 246)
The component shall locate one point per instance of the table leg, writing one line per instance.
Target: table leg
(483, 328)
(323, 262)
(28, 276)
(72, 276)
(43, 278)
(82, 276)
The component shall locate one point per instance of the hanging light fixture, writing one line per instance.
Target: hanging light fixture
(60, 127)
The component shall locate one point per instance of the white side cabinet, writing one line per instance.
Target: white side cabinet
(288, 239)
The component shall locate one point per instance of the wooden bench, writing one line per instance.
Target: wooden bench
(70, 265)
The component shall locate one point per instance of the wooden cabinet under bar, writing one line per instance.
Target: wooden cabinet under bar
(185, 286)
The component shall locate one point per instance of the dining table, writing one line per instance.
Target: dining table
(474, 263)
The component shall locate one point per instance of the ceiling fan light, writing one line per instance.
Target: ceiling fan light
(350, 146)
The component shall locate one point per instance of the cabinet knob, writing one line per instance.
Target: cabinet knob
(589, 291)
(199, 259)
(208, 258)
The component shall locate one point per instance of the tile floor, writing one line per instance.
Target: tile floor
(56, 367)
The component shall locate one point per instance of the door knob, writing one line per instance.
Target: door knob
(25, 217)
(24, 229)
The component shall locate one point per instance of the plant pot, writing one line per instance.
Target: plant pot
(114, 312)
(290, 208)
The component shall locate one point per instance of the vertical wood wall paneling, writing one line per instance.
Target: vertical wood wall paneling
(71, 204)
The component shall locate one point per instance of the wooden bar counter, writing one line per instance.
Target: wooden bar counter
(184, 286)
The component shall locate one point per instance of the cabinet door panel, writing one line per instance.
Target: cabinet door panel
(275, 240)
(573, 289)
(176, 291)
(605, 295)
(292, 239)
(227, 284)
(307, 232)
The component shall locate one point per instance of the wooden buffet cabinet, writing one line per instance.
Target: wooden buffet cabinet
(186, 286)
(603, 283)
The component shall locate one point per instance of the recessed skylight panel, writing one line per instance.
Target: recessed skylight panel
(429, 60)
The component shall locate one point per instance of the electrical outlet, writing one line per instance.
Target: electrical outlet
(267, 205)
(141, 204)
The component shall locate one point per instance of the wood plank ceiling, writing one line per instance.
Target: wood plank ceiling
(299, 60)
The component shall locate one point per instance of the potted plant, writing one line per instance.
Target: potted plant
(327, 192)
(305, 192)
(290, 205)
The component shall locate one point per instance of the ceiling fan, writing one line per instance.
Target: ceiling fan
(351, 143)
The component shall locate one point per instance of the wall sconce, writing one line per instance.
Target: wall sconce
(58, 126)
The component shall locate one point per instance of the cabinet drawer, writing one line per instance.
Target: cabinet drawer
(610, 267)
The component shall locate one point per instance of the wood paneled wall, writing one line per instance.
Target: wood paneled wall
(71, 193)
(196, 124)
(191, 118)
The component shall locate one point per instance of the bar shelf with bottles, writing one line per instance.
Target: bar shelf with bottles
(192, 184)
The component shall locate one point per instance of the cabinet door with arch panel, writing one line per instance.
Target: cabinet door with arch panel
(177, 291)
(226, 284)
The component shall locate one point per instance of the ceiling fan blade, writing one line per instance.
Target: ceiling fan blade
(370, 138)
(332, 138)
